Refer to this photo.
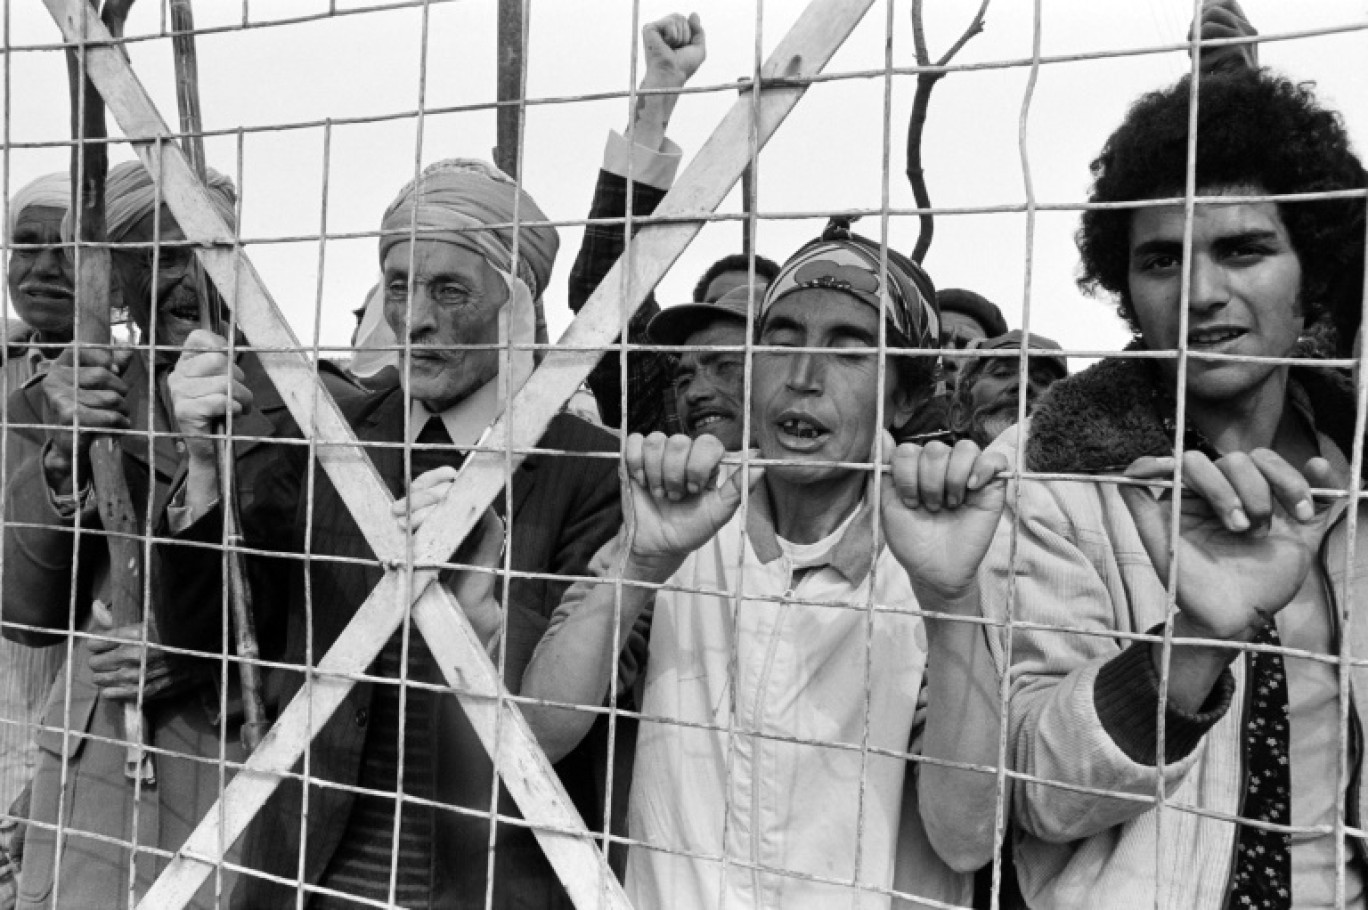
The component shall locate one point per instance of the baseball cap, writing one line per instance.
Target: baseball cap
(676, 324)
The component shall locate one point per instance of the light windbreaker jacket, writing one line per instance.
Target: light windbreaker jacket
(1080, 566)
(805, 678)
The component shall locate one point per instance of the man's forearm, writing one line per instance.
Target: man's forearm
(651, 116)
(963, 722)
(1193, 669)
(578, 655)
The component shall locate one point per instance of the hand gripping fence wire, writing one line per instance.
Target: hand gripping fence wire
(407, 588)
(815, 37)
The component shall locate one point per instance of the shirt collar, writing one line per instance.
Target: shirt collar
(465, 421)
(852, 556)
(1300, 401)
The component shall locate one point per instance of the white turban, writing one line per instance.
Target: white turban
(49, 191)
(130, 195)
(454, 199)
(457, 200)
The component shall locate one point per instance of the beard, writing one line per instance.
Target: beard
(989, 423)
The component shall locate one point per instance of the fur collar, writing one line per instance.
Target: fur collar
(1102, 419)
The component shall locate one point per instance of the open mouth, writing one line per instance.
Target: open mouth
(183, 312)
(704, 421)
(801, 431)
(1215, 337)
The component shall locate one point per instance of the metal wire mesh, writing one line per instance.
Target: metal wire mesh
(409, 600)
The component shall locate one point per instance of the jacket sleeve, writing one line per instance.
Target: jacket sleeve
(649, 373)
(41, 558)
(589, 515)
(1062, 721)
(190, 573)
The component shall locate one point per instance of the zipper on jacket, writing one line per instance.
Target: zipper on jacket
(760, 704)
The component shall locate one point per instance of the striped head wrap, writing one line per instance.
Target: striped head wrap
(457, 201)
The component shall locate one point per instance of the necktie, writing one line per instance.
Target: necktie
(434, 434)
(1263, 859)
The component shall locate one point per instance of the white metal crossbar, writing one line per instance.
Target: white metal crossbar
(524, 768)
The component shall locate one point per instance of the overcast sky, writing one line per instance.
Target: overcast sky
(827, 155)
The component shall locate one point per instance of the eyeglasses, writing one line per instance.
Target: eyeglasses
(443, 290)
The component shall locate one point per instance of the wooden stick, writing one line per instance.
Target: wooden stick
(916, 175)
(255, 722)
(512, 61)
(118, 516)
(510, 86)
(822, 28)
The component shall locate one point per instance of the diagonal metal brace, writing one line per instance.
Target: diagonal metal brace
(527, 774)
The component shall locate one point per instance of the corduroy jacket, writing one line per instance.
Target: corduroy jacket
(1080, 567)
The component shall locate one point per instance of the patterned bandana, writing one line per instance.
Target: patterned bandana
(852, 265)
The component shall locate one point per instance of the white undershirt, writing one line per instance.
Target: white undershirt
(806, 555)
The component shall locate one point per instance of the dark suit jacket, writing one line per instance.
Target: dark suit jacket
(43, 560)
(563, 508)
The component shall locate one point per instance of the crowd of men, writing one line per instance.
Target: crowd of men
(775, 611)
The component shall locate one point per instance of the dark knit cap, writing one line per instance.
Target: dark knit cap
(976, 307)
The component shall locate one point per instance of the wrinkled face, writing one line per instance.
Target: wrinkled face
(821, 406)
(456, 301)
(709, 386)
(727, 281)
(1244, 296)
(175, 283)
(995, 386)
(993, 390)
(41, 281)
(957, 331)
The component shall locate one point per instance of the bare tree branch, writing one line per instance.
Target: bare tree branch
(925, 83)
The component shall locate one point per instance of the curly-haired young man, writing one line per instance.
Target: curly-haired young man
(1248, 739)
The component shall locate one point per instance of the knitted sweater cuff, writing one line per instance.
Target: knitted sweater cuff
(1126, 698)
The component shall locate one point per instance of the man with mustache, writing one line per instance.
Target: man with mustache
(766, 675)
(56, 584)
(455, 293)
(967, 317)
(40, 277)
(709, 387)
(674, 47)
(984, 401)
(40, 290)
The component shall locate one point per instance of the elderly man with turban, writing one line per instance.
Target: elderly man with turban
(40, 293)
(56, 583)
(458, 281)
